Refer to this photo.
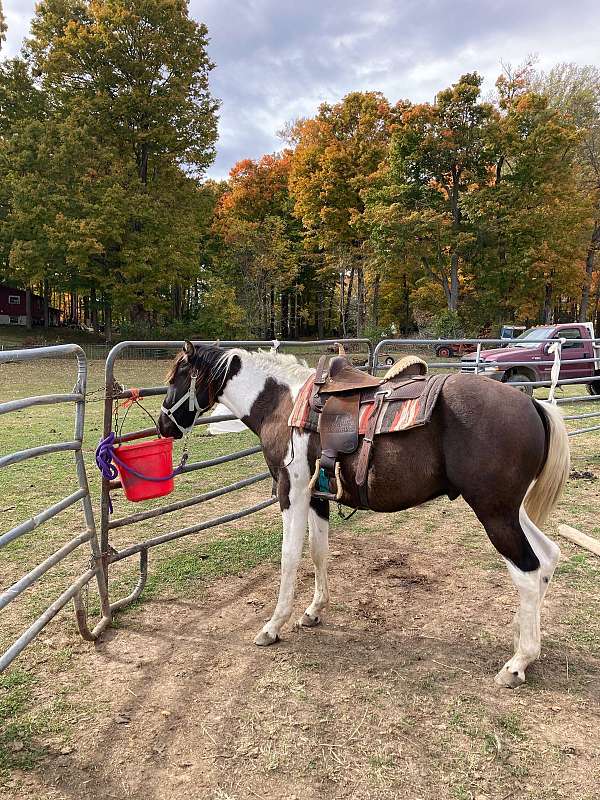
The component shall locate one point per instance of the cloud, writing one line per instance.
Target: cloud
(276, 61)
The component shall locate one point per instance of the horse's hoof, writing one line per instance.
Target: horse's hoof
(309, 622)
(265, 638)
(509, 679)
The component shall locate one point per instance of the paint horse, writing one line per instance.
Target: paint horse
(505, 453)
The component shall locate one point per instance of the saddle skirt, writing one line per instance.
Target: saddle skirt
(396, 415)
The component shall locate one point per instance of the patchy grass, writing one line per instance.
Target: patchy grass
(19, 724)
(186, 572)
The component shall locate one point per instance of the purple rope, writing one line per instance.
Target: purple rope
(105, 456)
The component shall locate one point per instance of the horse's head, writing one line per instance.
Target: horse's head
(191, 388)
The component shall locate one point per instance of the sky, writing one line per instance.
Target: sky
(277, 60)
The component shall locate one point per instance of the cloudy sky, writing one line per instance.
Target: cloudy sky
(278, 59)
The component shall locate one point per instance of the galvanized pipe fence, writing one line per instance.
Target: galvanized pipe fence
(478, 366)
(82, 495)
(103, 553)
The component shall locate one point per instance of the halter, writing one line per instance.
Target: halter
(190, 396)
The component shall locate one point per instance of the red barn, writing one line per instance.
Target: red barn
(13, 308)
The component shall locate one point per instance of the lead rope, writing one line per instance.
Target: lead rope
(555, 348)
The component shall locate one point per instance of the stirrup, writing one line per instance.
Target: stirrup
(320, 484)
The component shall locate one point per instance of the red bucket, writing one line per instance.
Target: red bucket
(153, 459)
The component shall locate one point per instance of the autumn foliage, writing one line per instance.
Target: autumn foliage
(376, 217)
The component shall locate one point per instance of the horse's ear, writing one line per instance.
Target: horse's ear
(188, 348)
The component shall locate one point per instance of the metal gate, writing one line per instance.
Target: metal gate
(82, 495)
(115, 392)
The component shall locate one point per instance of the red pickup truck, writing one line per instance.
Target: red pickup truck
(533, 362)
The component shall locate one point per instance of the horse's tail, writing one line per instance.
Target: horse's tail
(544, 493)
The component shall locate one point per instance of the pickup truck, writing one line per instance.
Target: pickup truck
(534, 361)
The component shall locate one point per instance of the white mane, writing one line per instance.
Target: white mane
(284, 366)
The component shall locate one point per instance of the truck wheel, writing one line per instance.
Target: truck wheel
(444, 352)
(389, 361)
(593, 388)
(519, 377)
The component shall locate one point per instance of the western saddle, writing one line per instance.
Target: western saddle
(338, 394)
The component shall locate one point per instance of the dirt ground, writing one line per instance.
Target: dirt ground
(392, 697)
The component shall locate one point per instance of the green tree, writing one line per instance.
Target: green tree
(531, 217)
(128, 84)
(575, 90)
(135, 71)
(439, 153)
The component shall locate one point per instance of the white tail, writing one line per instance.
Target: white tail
(544, 493)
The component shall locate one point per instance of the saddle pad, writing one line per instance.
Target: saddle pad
(396, 416)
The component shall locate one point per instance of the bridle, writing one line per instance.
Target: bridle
(193, 405)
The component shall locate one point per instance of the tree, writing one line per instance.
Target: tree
(335, 155)
(135, 71)
(438, 153)
(261, 240)
(2, 26)
(575, 90)
(23, 116)
(531, 216)
(132, 128)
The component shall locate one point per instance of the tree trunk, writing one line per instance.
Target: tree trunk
(295, 315)
(320, 326)
(406, 300)
(547, 312)
(348, 299)
(589, 272)
(285, 315)
(46, 304)
(107, 321)
(453, 296)
(342, 299)
(272, 325)
(28, 314)
(329, 320)
(375, 305)
(142, 160)
(264, 314)
(360, 301)
(94, 310)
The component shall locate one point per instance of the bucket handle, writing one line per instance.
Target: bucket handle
(105, 456)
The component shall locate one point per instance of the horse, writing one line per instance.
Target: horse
(505, 453)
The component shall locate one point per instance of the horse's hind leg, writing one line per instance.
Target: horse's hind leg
(548, 554)
(318, 538)
(531, 559)
(546, 550)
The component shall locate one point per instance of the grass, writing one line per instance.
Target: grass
(19, 723)
(186, 571)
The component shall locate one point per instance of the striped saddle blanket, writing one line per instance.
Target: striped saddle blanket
(397, 415)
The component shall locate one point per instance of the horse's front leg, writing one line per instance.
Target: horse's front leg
(294, 497)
